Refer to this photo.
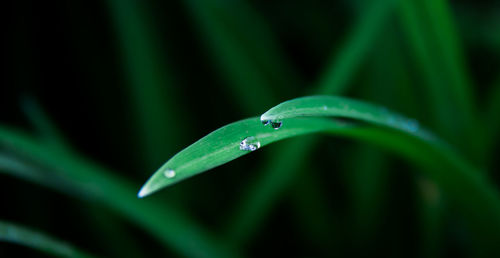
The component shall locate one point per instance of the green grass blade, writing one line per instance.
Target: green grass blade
(341, 69)
(473, 194)
(93, 183)
(345, 108)
(244, 66)
(223, 145)
(437, 95)
(42, 123)
(449, 45)
(10, 164)
(151, 88)
(447, 85)
(12, 233)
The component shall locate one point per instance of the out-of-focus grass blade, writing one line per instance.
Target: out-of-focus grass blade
(258, 200)
(43, 124)
(12, 233)
(21, 169)
(341, 69)
(244, 50)
(438, 95)
(449, 45)
(93, 183)
(438, 53)
(10, 164)
(257, 40)
(224, 145)
(150, 83)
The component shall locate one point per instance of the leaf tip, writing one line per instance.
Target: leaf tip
(143, 192)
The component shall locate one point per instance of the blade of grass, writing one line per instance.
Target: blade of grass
(42, 123)
(437, 51)
(222, 146)
(436, 91)
(245, 51)
(448, 43)
(15, 234)
(150, 83)
(449, 46)
(339, 72)
(90, 182)
(470, 190)
(257, 40)
(347, 108)
(258, 200)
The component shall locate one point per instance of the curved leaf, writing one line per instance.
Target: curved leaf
(223, 145)
(36, 240)
(477, 199)
(346, 108)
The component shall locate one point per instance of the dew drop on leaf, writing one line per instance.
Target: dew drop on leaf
(169, 173)
(276, 124)
(249, 144)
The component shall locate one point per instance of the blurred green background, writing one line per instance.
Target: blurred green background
(96, 95)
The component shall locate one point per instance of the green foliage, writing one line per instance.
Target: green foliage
(140, 79)
(20, 235)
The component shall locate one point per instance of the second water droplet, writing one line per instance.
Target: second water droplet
(249, 144)
(169, 173)
(274, 124)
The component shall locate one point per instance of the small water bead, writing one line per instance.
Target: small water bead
(274, 124)
(325, 108)
(169, 173)
(249, 144)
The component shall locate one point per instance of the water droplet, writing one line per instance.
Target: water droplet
(249, 144)
(169, 173)
(325, 107)
(276, 124)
